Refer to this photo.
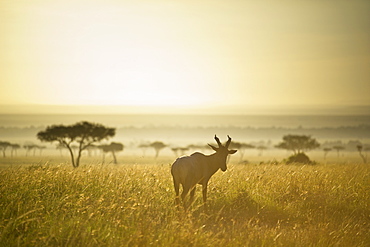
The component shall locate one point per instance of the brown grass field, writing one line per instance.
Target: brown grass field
(46, 202)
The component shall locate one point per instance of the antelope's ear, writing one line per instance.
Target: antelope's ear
(232, 151)
(214, 148)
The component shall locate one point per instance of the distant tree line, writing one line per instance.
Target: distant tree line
(14, 147)
(85, 136)
(4, 145)
(200, 133)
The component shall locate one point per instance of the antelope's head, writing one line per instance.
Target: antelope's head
(223, 151)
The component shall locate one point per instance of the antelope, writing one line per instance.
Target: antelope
(198, 169)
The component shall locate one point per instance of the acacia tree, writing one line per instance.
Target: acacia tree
(261, 148)
(113, 148)
(158, 146)
(84, 134)
(339, 148)
(30, 146)
(298, 144)
(14, 147)
(359, 149)
(179, 150)
(144, 147)
(326, 151)
(197, 147)
(241, 147)
(3, 146)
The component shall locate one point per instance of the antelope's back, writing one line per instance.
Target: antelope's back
(187, 167)
(181, 166)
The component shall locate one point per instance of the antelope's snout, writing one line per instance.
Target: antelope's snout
(223, 168)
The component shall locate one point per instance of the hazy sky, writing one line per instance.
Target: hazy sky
(251, 54)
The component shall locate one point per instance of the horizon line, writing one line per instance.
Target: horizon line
(10, 109)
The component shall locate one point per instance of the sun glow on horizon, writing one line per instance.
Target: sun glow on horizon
(106, 56)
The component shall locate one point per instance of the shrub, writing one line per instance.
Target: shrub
(301, 158)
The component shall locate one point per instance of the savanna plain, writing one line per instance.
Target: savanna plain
(50, 203)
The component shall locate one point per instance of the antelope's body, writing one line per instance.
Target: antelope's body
(198, 169)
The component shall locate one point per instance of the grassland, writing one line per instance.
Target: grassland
(48, 203)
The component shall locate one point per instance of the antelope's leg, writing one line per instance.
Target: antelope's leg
(177, 191)
(192, 192)
(185, 190)
(204, 191)
(204, 187)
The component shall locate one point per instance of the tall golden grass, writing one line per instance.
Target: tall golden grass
(51, 204)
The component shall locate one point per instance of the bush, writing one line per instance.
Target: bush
(301, 158)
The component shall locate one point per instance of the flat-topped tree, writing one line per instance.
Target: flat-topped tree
(326, 151)
(299, 144)
(158, 146)
(84, 134)
(3, 146)
(359, 149)
(241, 147)
(144, 147)
(113, 148)
(14, 147)
(179, 150)
(338, 148)
(30, 146)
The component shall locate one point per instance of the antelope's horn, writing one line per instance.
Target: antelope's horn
(218, 141)
(228, 141)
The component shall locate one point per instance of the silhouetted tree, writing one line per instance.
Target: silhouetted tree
(84, 134)
(338, 148)
(175, 150)
(158, 146)
(113, 148)
(30, 146)
(14, 147)
(60, 147)
(179, 150)
(261, 148)
(298, 144)
(197, 147)
(4, 146)
(40, 148)
(144, 147)
(326, 151)
(241, 147)
(91, 150)
(359, 149)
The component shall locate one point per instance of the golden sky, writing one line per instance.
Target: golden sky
(186, 54)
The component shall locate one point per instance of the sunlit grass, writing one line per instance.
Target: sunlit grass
(133, 205)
